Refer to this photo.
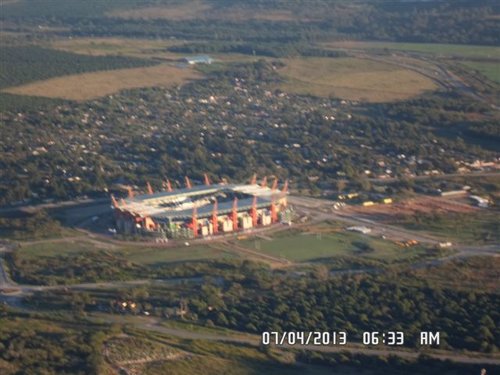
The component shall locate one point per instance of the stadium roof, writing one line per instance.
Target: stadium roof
(152, 205)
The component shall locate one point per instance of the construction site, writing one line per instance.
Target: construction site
(202, 210)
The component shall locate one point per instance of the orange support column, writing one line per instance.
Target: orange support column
(274, 213)
(113, 201)
(254, 211)
(235, 214)
(149, 188)
(285, 187)
(253, 180)
(215, 221)
(275, 184)
(264, 182)
(194, 222)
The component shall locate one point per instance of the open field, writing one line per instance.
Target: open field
(30, 63)
(448, 50)
(352, 78)
(151, 256)
(136, 254)
(117, 46)
(454, 220)
(414, 206)
(490, 70)
(474, 229)
(92, 85)
(308, 246)
(139, 48)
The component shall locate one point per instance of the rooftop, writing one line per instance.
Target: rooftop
(178, 205)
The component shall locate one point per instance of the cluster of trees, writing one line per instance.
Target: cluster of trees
(487, 131)
(410, 21)
(466, 320)
(38, 346)
(90, 266)
(35, 226)
(31, 63)
(391, 365)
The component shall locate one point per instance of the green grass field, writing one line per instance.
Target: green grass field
(302, 247)
(54, 249)
(136, 254)
(490, 70)
(352, 78)
(448, 50)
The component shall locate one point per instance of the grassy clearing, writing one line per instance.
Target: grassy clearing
(145, 48)
(138, 48)
(490, 70)
(352, 78)
(92, 85)
(54, 249)
(151, 256)
(468, 228)
(193, 327)
(448, 50)
(135, 254)
(303, 246)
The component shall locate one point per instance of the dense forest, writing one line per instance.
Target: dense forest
(410, 21)
(31, 63)
(466, 320)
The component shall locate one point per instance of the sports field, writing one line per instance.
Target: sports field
(352, 78)
(303, 246)
(87, 86)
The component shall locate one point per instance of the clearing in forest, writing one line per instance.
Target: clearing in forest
(92, 85)
(353, 79)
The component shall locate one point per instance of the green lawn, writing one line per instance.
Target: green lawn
(448, 50)
(490, 70)
(303, 247)
(53, 249)
(135, 254)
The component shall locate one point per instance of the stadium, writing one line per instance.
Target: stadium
(201, 211)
